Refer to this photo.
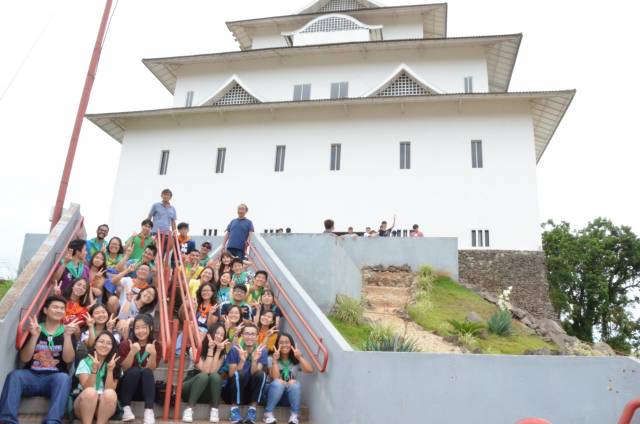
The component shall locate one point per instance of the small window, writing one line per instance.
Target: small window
(339, 90)
(476, 153)
(222, 153)
(164, 162)
(189, 101)
(405, 155)
(468, 84)
(335, 157)
(301, 92)
(280, 158)
(479, 238)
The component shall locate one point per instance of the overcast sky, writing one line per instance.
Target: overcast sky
(590, 168)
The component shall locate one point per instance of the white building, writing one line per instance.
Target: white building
(347, 110)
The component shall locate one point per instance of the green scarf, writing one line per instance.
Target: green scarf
(75, 272)
(59, 331)
(101, 372)
(285, 369)
(140, 358)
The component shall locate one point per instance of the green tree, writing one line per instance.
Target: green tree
(593, 274)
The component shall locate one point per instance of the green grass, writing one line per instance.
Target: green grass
(356, 335)
(449, 300)
(5, 285)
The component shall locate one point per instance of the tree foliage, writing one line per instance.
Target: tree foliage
(594, 276)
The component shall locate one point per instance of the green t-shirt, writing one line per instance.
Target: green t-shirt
(139, 244)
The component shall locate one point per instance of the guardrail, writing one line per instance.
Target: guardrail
(629, 410)
(162, 297)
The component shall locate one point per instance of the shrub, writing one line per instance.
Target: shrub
(500, 323)
(394, 343)
(381, 332)
(465, 327)
(468, 340)
(425, 278)
(348, 309)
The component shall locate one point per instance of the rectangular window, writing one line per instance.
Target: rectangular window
(280, 158)
(164, 162)
(468, 84)
(335, 157)
(479, 238)
(339, 90)
(222, 153)
(189, 100)
(476, 153)
(405, 155)
(301, 92)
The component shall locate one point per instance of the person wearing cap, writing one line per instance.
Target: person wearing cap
(205, 249)
(239, 298)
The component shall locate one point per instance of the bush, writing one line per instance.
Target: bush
(468, 340)
(381, 332)
(394, 343)
(500, 323)
(466, 327)
(348, 309)
(425, 278)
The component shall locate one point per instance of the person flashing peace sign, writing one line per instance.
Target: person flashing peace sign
(46, 354)
(98, 374)
(285, 390)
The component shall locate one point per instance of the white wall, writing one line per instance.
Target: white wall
(441, 192)
(273, 79)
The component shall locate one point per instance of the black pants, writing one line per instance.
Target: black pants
(138, 384)
(244, 388)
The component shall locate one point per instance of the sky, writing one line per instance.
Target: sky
(588, 170)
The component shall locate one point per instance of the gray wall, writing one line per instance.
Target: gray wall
(30, 246)
(21, 294)
(378, 387)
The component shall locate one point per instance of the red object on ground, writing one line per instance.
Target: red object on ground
(629, 410)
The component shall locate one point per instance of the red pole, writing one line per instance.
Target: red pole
(82, 109)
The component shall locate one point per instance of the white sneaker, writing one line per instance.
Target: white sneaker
(187, 415)
(268, 418)
(127, 414)
(213, 416)
(150, 417)
(293, 419)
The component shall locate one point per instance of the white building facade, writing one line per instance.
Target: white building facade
(347, 110)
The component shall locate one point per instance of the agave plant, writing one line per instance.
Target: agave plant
(500, 323)
(394, 343)
(348, 309)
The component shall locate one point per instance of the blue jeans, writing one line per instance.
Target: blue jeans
(284, 395)
(238, 253)
(26, 383)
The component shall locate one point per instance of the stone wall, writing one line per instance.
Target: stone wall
(491, 271)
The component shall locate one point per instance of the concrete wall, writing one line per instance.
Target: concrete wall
(378, 387)
(23, 291)
(30, 246)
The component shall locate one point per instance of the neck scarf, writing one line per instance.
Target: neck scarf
(142, 239)
(101, 372)
(75, 272)
(204, 311)
(50, 337)
(285, 369)
(141, 358)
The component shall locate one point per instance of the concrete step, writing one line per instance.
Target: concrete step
(37, 407)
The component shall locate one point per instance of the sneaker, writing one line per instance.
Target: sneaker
(149, 417)
(127, 414)
(187, 415)
(213, 416)
(268, 418)
(251, 416)
(293, 419)
(235, 416)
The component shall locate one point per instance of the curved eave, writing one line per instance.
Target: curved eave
(434, 19)
(501, 51)
(547, 108)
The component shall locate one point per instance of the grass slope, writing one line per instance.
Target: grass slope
(449, 300)
(5, 285)
(356, 335)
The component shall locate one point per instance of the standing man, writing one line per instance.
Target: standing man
(329, 226)
(99, 243)
(163, 216)
(384, 231)
(237, 234)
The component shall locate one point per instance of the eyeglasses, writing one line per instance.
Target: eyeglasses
(249, 334)
(104, 342)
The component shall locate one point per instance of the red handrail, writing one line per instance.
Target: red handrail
(629, 410)
(39, 298)
(172, 359)
(533, 421)
(162, 298)
(321, 366)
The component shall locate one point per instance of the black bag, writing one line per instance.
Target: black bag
(161, 391)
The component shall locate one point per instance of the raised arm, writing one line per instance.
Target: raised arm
(26, 353)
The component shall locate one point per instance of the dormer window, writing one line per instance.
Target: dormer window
(333, 28)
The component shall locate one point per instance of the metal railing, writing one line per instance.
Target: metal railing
(161, 279)
(43, 292)
(281, 295)
(629, 410)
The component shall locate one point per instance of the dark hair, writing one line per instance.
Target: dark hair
(104, 260)
(383, 223)
(267, 290)
(222, 265)
(263, 273)
(206, 244)
(153, 248)
(328, 224)
(199, 293)
(192, 249)
(41, 316)
(239, 311)
(236, 261)
(120, 250)
(273, 319)
(114, 350)
(350, 228)
(183, 225)
(213, 274)
(99, 305)
(146, 221)
(147, 309)
(212, 332)
(242, 287)
(84, 300)
(147, 320)
(415, 226)
(287, 230)
(103, 225)
(167, 191)
(292, 357)
(249, 325)
(77, 246)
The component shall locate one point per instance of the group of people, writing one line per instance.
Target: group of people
(383, 231)
(92, 348)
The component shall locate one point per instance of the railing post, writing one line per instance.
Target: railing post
(180, 377)
(172, 358)
(629, 410)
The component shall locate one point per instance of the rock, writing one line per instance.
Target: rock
(519, 313)
(474, 317)
(451, 339)
(603, 349)
(551, 327)
(542, 351)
